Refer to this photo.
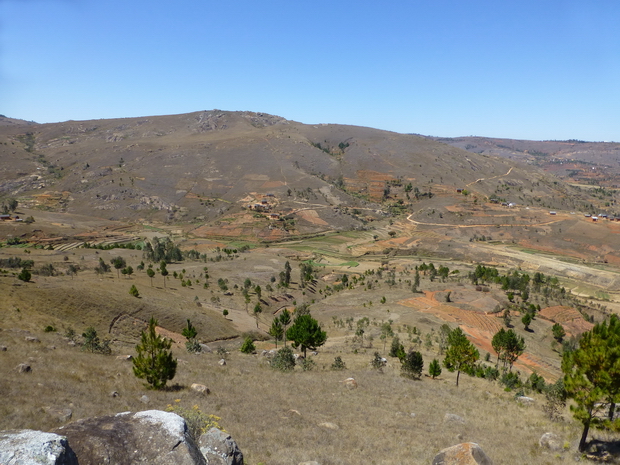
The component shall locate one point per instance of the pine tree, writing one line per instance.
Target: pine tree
(154, 361)
(307, 333)
(434, 369)
(461, 353)
(412, 365)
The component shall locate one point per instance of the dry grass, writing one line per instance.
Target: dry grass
(275, 417)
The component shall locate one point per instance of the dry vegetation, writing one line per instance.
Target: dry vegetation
(277, 418)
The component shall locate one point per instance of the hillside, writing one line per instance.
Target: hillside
(244, 196)
(204, 166)
(576, 161)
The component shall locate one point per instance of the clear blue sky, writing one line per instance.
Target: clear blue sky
(528, 69)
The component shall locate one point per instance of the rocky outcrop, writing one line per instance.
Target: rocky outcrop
(27, 447)
(467, 453)
(152, 436)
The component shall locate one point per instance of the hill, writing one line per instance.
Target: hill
(358, 215)
(589, 163)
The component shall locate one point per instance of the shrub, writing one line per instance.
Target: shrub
(92, 343)
(338, 364)
(134, 291)
(307, 364)
(248, 346)
(193, 346)
(377, 362)
(197, 421)
(24, 275)
(221, 352)
(412, 365)
(50, 329)
(397, 349)
(284, 360)
(511, 381)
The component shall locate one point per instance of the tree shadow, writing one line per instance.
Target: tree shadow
(174, 388)
(603, 451)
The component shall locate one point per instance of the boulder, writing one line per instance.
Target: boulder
(205, 348)
(329, 425)
(31, 339)
(452, 418)
(551, 441)
(23, 368)
(219, 448)
(152, 436)
(350, 383)
(127, 358)
(467, 453)
(525, 400)
(3, 349)
(27, 447)
(61, 414)
(200, 388)
(145, 399)
(222, 362)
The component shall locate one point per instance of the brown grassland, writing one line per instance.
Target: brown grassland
(277, 418)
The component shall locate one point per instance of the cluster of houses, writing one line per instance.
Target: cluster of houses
(602, 216)
(265, 206)
(10, 218)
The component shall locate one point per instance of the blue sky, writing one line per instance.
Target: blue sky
(524, 69)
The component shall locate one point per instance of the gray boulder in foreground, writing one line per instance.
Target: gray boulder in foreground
(28, 447)
(153, 437)
(467, 453)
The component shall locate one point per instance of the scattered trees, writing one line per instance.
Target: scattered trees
(154, 361)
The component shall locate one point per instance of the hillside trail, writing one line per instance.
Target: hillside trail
(488, 179)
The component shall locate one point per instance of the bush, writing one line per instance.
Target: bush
(134, 291)
(248, 346)
(338, 364)
(50, 329)
(197, 421)
(307, 364)
(397, 349)
(377, 362)
(283, 360)
(24, 275)
(93, 344)
(193, 346)
(412, 365)
(511, 381)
